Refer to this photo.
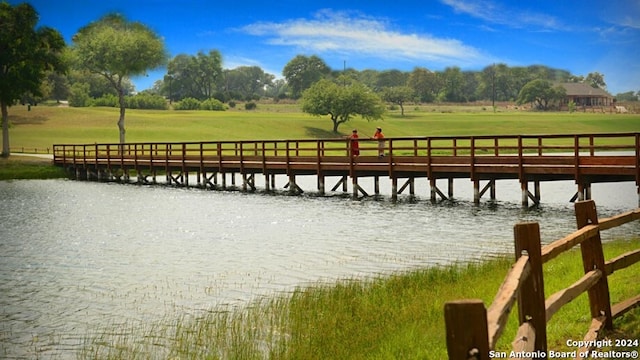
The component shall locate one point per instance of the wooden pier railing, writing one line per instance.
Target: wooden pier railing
(585, 158)
(473, 330)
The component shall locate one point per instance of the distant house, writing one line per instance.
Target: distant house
(584, 96)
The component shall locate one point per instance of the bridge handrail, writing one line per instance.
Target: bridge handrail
(397, 146)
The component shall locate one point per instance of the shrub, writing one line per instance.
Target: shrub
(146, 101)
(187, 104)
(212, 104)
(79, 95)
(232, 104)
(108, 100)
(250, 106)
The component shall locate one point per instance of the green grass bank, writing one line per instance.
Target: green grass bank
(28, 167)
(398, 316)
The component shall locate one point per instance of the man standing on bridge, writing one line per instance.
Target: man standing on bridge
(380, 137)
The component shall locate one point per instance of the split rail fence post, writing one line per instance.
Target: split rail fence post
(531, 299)
(467, 332)
(592, 259)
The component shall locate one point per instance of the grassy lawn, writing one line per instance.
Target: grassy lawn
(44, 126)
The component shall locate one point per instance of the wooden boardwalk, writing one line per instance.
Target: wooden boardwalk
(584, 158)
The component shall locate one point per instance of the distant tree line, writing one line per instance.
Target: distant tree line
(202, 77)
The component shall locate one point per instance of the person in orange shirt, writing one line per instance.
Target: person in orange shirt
(380, 137)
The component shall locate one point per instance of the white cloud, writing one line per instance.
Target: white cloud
(348, 33)
(515, 18)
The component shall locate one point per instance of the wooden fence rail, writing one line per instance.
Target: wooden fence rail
(473, 330)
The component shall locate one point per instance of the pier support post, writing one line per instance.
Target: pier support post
(432, 189)
(292, 184)
(536, 185)
(321, 184)
(524, 186)
(376, 185)
(492, 190)
(449, 188)
(476, 192)
(394, 188)
(354, 183)
(267, 186)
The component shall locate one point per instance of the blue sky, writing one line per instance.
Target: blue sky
(577, 36)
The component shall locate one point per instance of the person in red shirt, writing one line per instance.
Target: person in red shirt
(355, 146)
(380, 137)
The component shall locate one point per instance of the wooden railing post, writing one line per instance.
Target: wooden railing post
(466, 326)
(531, 298)
(592, 259)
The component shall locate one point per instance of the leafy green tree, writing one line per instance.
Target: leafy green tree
(453, 85)
(249, 81)
(302, 71)
(391, 78)
(542, 93)
(425, 84)
(117, 49)
(342, 101)
(596, 80)
(26, 54)
(197, 76)
(398, 95)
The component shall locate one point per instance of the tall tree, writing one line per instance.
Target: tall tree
(247, 81)
(398, 95)
(302, 71)
(541, 92)
(117, 49)
(342, 101)
(596, 80)
(195, 76)
(26, 54)
(425, 84)
(453, 85)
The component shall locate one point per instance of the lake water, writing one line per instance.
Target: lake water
(77, 257)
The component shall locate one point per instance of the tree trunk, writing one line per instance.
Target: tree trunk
(5, 131)
(121, 120)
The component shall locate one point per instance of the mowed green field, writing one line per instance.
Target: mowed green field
(44, 126)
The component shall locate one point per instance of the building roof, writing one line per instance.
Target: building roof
(582, 89)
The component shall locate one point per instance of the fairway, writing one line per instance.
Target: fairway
(44, 126)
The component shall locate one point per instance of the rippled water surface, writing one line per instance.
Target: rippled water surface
(76, 256)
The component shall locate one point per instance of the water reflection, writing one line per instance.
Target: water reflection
(76, 256)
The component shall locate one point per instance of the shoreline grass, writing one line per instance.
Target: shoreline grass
(394, 316)
(22, 167)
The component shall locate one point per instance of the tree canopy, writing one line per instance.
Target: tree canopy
(303, 71)
(342, 101)
(540, 92)
(26, 55)
(117, 49)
